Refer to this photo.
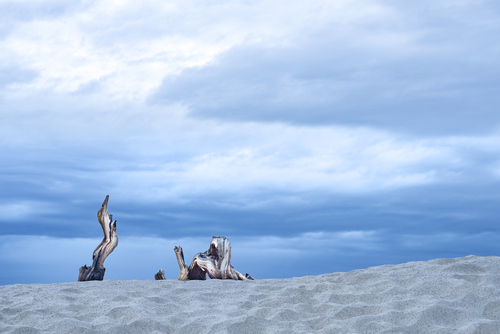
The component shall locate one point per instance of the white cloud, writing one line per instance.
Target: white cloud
(160, 153)
(281, 158)
(131, 46)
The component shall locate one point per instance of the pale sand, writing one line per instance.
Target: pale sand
(439, 296)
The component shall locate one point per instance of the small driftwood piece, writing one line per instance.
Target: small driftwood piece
(215, 262)
(107, 245)
(160, 275)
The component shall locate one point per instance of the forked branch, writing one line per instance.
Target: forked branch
(102, 251)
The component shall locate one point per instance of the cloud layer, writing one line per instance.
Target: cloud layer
(348, 133)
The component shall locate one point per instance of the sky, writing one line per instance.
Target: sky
(319, 136)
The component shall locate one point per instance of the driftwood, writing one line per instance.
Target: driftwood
(160, 275)
(107, 245)
(216, 262)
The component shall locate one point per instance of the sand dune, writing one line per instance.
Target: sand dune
(439, 296)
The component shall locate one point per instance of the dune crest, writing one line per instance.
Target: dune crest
(443, 296)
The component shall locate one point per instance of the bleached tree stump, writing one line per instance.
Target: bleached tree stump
(107, 245)
(215, 262)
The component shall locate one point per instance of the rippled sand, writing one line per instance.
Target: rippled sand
(439, 296)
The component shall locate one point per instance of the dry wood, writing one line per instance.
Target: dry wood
(160, 275)
(107, 245)
(214, 262)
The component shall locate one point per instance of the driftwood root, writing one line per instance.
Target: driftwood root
(102, 251)
(214, 262)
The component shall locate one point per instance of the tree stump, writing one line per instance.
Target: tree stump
(216, 262)
(107, 245)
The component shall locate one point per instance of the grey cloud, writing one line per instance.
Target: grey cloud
(62, 154)
(443, 82)
(63, 186)
(51, 260)
(63, 204)
(248, 85)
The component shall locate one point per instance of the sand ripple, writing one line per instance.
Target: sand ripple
(439, 296)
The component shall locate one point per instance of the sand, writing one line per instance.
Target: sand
(439, 296)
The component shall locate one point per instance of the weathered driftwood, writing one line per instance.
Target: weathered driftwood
(107, 245)
(216, 262)
(160, 275)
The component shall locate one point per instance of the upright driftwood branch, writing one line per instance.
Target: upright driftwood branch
(214, 262)
(107, 245)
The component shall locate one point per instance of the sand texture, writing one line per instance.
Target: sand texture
(439, 296)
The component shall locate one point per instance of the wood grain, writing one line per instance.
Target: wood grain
(102, 251)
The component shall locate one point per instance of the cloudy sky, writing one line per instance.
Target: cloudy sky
(318, 136)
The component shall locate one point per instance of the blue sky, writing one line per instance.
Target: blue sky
(318, 136)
